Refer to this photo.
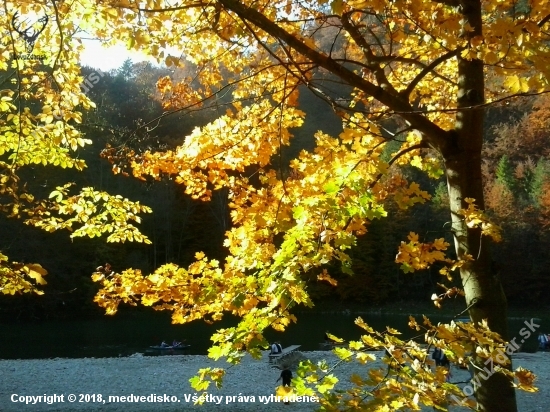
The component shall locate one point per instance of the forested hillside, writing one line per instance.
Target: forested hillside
(130, 117)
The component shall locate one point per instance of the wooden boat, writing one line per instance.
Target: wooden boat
(179, 347)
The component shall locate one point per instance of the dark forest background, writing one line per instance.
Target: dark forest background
(517, 181)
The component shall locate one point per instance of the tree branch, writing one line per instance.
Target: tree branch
(429, 68)
(371, 59)
(544, 21)
(435, 135)
(163, 10)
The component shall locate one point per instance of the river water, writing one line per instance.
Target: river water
(126, 334)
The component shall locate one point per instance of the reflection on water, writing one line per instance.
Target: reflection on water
(109, 336)
(124, 335)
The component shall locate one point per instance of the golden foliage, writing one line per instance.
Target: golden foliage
(477, 218)
(407, 378)
(396, 59)
(41, 104)
(20, 278)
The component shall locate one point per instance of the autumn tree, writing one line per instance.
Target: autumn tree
(40, 87)
(430, 67)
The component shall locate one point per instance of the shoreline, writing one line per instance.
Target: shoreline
(164, 379)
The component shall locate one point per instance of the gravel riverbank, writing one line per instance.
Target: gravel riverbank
(166, 378)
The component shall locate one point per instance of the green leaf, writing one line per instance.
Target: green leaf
(198, 384)
(406, 268)
(327, 383)
(343, 353)
(331, 188)
(298, 212)
(215, 352)
(57, 194)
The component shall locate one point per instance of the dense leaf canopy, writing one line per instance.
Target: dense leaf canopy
(418, 73)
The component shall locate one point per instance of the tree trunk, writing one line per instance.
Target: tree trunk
(484, 294)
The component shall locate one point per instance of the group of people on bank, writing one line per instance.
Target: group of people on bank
(175, 344)
(276, 348)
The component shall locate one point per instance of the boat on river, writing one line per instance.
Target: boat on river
(170, 347)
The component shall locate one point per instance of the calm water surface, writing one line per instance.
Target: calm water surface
(124, 335)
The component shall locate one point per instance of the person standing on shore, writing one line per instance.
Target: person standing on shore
(441, 360)
(544, 343)
(286, 376)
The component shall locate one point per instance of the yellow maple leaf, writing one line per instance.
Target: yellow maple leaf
(516, 84)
